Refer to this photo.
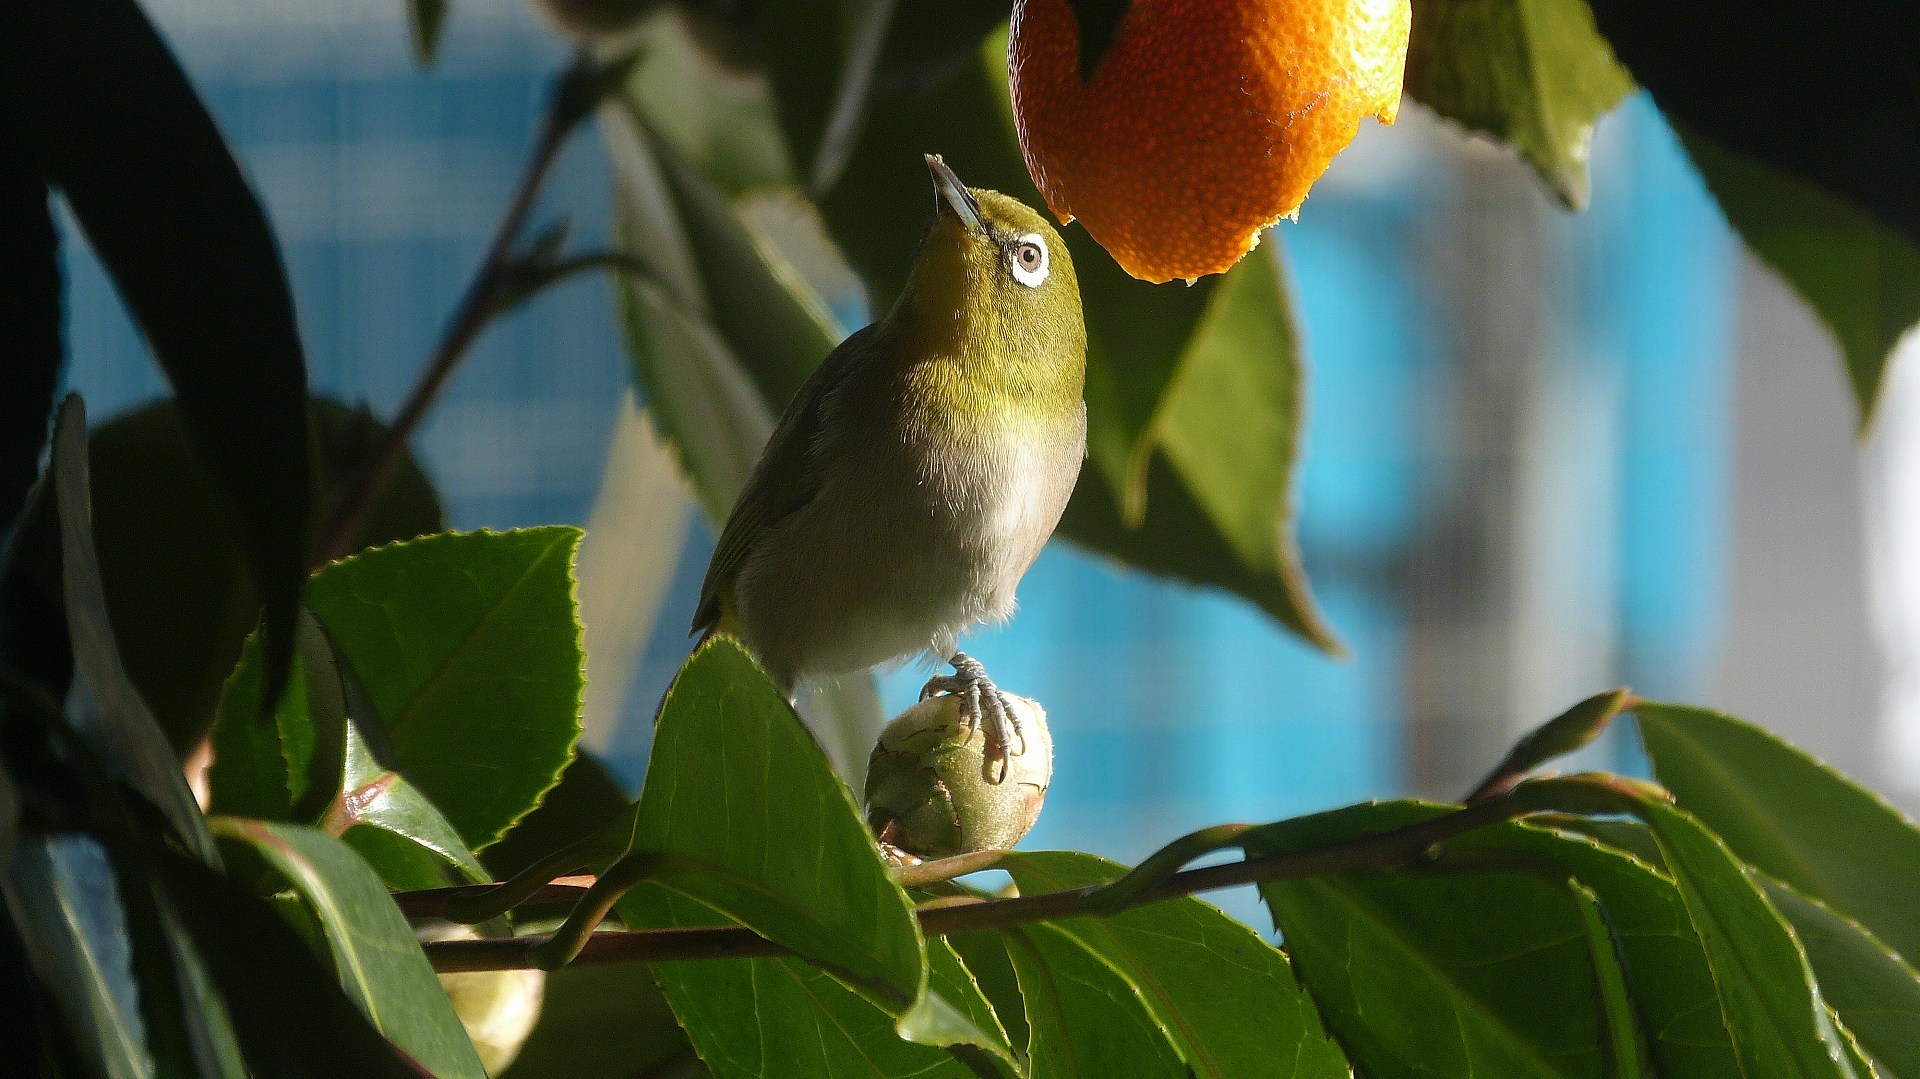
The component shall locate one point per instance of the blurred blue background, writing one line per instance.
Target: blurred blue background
(1519, 474)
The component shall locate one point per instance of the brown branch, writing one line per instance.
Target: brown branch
(958, 914)
(578, 92)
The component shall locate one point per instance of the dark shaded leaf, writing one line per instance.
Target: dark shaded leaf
(65, 901)
(1790, 816)
(1226, 998)
(1773, 1008)
(374, 952)
(425, 20)
(293, 1020)
(835, 55)
(606, 1020)
(30, 342)
(1860, 276)
(1084, 1018)
(189, 1031)
(128, 735)
(469, 647)
(120, 131)
(737, 786)
(1825, 92)
(585, 800)
(750, 1018)
(1534, 74)
(176, 584)
(274, 768)
(1875, 992)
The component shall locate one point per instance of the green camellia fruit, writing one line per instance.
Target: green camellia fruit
(929, 792)
(497, 1007)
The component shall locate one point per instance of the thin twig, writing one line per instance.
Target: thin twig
(577, 93)
(1385, 850)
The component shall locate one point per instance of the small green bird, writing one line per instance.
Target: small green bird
(920, 469)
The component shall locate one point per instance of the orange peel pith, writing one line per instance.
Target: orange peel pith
(1205, 122)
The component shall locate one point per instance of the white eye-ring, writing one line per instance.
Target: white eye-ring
(1028, 260)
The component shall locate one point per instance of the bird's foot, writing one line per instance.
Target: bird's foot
(982, 706)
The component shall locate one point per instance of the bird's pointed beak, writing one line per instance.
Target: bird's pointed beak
(950, 196)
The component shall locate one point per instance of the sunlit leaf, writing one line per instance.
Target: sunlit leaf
(1790, 816)
(1085, 1019)
(736, 784)
(1773, 1008)
(750, 1018)
(1226, 998)
(1412, 975)
(1534, 74)
(1860, 276)
(469, 649)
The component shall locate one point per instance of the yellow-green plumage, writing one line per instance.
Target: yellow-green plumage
(918, 472)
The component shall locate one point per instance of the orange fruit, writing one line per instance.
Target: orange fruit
(1206, 121)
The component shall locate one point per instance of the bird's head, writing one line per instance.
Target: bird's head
(991, 265)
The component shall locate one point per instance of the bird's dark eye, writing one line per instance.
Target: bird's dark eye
(1028, 260)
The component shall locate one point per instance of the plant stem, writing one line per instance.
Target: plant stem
(574, 97)
(1385, 850)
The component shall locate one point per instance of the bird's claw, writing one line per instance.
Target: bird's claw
(982, 707)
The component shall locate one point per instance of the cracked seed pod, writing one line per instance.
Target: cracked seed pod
(927, 790)
(498, 1008)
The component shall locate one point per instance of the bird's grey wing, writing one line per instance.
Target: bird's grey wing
(781, 482)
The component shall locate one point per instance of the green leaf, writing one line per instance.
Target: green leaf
(1230, 430)
(65, 903)
(378, 802)
(425, 20)
(29, 312)
(1874, 991)
(1226, 998)
(735, 783)
(1860, 276)
(1790, 816)
(374, 952)
(1413, 977)
(1622, 1050)
(835, 55)
(721, 331)
(586, 799)
(286, 766)
(176, 582)
(468, 646)
(1534, 74)
(1773, 1008)
(750, 1018)
(291, 1017)
(189, 1029)
(953, 1011)
(729, 130)
(128, 735)
(1085, 1018)
(118, 129)
(1168, 367)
